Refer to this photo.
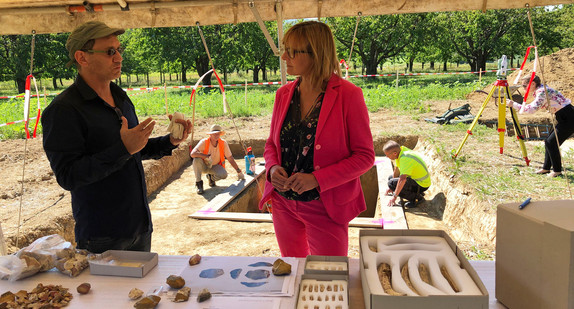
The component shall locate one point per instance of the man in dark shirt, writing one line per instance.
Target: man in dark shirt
(95, 145)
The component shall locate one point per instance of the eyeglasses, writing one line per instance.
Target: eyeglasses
(110, 52)
(292, 52)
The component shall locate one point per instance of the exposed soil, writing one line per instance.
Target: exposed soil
(44, 208)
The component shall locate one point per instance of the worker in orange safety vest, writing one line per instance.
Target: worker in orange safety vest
(209, 157)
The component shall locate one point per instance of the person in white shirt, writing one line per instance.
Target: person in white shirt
(562, 109)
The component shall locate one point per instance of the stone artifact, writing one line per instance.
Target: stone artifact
(194, 260)
(148, 302)
(135, 293)
(84, 288)
(203, 295)
(182, 295)
(42, 296)
(74, 265)
(175, 282)
(385, 275)
(281, 268)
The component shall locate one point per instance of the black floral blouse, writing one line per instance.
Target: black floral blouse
(297, 140)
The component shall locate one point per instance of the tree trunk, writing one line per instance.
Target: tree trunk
(55, 83)
(411, 64)
(256, 74)
(147, 78)
(444, 67)
(21, 83)
(432, 65)
(183, 73)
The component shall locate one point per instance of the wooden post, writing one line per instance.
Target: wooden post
(165, 92)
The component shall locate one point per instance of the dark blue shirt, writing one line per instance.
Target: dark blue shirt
(83, 144)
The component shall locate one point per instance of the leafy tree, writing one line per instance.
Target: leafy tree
(476, 36)
(378, 37)
(254, 48)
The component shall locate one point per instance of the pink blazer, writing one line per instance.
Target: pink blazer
(343, 147)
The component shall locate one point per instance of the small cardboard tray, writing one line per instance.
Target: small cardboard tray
(322, 264)
(124, 263)
(327, 279)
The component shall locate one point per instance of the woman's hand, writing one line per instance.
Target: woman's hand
(301, 182)
(279, 177)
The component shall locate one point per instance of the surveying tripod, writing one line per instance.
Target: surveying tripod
(500, 85)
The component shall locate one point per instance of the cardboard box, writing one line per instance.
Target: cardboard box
(535, 255)
(330, 265)
(124, 263)
(328, 279)
(374, 299)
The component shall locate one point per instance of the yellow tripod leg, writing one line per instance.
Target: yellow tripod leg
(474, 122)
(501, 118)
(519, 132)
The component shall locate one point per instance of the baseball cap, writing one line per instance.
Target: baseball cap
(85, 32)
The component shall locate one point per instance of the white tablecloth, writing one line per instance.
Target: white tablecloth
(112, 292)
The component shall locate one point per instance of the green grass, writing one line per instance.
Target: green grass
(379, 93)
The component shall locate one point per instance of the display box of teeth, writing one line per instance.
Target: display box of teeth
(417, 269)
(322, 291)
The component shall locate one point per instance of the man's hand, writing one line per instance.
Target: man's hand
(389, 192)
(278, 177)
(136, 138)
(301, 182)
(392, 201)
(187, 127)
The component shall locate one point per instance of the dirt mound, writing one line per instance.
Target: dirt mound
(556, 70)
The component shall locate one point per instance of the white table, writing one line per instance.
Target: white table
(111, 292)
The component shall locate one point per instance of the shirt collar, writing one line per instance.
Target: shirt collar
(89, 94)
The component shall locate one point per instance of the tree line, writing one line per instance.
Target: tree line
(474, 37)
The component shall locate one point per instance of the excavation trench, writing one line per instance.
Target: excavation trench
(469, 221)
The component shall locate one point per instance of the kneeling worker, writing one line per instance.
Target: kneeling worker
(209, 157)
(410, 177)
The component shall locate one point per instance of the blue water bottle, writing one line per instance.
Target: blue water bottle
(249, 162)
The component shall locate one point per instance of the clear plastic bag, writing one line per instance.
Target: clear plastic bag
(41, 255)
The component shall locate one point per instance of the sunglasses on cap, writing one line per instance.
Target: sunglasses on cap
(292, 52)
(110, 52)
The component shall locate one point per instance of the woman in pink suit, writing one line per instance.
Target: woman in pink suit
(319, 145)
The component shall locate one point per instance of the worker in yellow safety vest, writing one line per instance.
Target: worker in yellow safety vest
(209, 157)
(410, 177)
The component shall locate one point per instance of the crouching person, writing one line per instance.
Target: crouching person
(410, 177)
(209, 157)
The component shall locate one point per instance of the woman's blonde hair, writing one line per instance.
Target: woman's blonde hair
(316, 38)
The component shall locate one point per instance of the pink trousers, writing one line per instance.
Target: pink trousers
(304, 228)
